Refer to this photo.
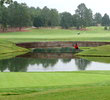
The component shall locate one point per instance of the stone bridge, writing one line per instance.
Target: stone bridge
(61, 44)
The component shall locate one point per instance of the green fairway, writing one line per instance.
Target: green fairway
(91, 34)
(100, 51)
(48, 79)
(85, 85)
(84, 93)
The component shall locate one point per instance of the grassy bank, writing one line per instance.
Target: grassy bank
(100, 51)
(98, 59)
(91, 34)
(9, 49)
(85, 85)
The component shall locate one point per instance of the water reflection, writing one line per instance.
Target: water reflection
(82, 63)
(66, 60)
(21, 64)
(14, 65)
(45, 62)
(48, 62)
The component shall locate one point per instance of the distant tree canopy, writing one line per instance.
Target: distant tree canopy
(66, 20)
(46, 17)
(97, 18)
(105, 20)
(5, 2)
(85, 15)
(15, 15)
(3, 17)
(76, 21)
(20, 15)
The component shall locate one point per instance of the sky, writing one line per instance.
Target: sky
(102, 6)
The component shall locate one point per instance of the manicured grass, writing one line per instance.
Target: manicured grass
(100, 51)
(92, 34)
(98, 59)
(47, 79)
(89, 93)
(9, 49)
(84, 85)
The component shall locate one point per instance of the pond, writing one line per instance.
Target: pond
(50, 62)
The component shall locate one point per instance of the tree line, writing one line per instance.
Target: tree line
(18, 15)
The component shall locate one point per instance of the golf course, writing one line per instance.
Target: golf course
(54, 50)
(75, 85)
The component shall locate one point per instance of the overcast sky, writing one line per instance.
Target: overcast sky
(102, 6)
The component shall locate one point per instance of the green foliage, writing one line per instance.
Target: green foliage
(105, 28)
(18, 15)
(66, 20)
(76, 21)
(97, 18)
(105, 20)
(85, 14)
(56, 50)
(15, 15)
(3, 17)
(34, 12)
(2, 2)
(54, 18)
(46, 17)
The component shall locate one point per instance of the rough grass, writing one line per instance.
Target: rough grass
(100, 51)
(84, 85)
(91, 34)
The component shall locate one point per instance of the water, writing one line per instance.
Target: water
(39, 62)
